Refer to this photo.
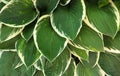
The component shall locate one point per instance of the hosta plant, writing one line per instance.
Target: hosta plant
(59, 38)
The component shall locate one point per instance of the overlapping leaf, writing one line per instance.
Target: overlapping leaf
(112, 44)
(64, 2)
(6, 33)
(1, 5)
(66, 21)
(87, 70)
(80, 53)
(27, 51)
(38, 65)
(28, 31)
(49, 43)
(104, 19)
(18, 13)
(46, 6)
(8, 61)
(39, 73)
(71, 69)
(89, 39)
(58, 66)
(110, 63)
(117, 3)
(5, 1)
(93, 58)
(102, 3)
(10, 44)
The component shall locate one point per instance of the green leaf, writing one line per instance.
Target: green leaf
(117, 3)
(10, 44)
(1, 5)
(27, 52)
(5, 1)
(38, 65)
(93, 1)
(87, 70)
(64, 2)
(20, 64)
(45, 6)
(80, 53)
(28, 31)
(102, 3)
(112, 44)
(87, 39)
(18, 13)
(49, 43)
(67, 20)
(110, 63)
(71, 69)
(93, 58)
(8, 61)
(105, 19)
(23, 71)
(7, 33)
(58, 66)
(39, 73)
